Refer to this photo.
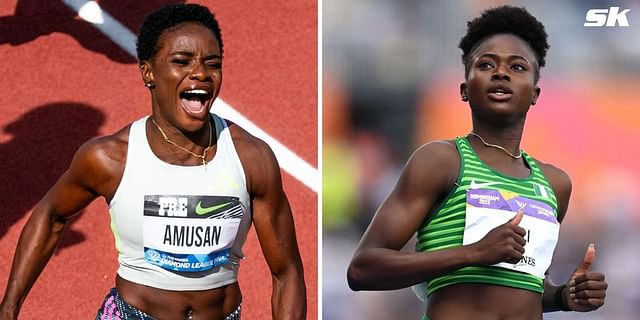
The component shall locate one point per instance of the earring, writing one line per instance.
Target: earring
(465, 99)
(149, 85)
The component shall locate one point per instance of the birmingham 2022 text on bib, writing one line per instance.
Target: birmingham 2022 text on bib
(487, 209)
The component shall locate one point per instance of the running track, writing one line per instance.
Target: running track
(63, 81)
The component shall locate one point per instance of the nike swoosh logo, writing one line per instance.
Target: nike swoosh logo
(200, 210)
(475, 185)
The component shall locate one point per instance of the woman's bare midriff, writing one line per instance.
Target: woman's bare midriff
(484, 302)
(165, 304)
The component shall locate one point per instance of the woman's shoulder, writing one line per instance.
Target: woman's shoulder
(246, 144)
(98, 164)
(109, 147)
(557, 177)
(438, 151)
(102, 157)
(256, 156)
(561, 184)
(435, 164)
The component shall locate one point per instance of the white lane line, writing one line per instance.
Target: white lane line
(289, 161)
(91, 12)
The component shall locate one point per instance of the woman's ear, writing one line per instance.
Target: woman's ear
(463, 92)
(147, 74)
(536, 94)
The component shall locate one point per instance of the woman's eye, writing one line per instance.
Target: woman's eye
(485, 65)
(180, 62)
(214, 65)
(518, 67)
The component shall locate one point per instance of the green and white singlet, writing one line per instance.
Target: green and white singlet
(482, 200)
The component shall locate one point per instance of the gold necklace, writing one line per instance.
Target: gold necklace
(202, 156)
(496, 146)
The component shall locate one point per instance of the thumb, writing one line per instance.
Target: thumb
(588, 259)
(516, 220)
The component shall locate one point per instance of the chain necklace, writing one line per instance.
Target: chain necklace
(201, 156)
(496, 146)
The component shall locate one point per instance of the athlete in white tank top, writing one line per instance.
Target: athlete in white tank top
(183, 189)
(172, 222)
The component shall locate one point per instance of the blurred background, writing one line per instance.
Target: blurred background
(391, 73)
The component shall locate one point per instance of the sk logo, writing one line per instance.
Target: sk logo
(611, 16)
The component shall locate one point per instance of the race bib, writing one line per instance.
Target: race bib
(189, 233)
(488, 209)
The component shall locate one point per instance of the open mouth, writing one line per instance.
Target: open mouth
(194, 101)
(499, 93)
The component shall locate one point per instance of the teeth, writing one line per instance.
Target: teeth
(196, 91)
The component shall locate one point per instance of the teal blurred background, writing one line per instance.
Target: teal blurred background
(391, 73)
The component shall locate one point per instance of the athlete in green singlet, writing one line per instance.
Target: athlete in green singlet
(487, 214)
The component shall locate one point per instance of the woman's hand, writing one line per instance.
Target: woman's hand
(504, 243)
(585, 289)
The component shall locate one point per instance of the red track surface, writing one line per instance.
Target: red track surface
(64, 82)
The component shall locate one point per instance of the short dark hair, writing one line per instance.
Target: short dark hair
(168, 17)
(505, 19)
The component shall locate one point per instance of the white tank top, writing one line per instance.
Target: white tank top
(180, 227)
